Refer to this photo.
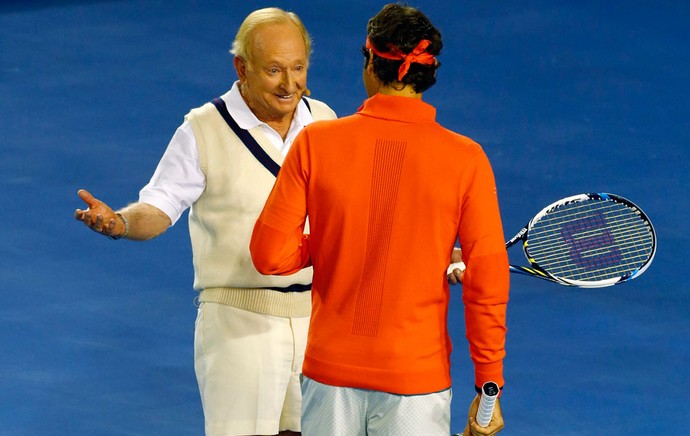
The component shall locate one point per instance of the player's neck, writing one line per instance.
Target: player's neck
(397, 91)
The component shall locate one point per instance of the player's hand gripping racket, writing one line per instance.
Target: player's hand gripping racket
(487, 402)
(587, 240)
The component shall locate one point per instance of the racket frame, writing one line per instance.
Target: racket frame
(536, 270)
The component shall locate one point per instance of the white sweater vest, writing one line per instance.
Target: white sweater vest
(222, 219)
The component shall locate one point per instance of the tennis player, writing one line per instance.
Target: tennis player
(388, 192)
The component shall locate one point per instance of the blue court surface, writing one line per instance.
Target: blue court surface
(565, 97)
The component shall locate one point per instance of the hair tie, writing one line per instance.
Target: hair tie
(418, 56)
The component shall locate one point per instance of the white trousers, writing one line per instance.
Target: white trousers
(248, 366)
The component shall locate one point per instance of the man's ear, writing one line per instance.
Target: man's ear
(241, 68)
(370, 67)
(370, 60)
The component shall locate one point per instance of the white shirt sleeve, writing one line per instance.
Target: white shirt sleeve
(178, 181)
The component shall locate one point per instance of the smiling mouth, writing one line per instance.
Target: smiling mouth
(286, 97)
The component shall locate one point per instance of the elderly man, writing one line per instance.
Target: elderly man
(222, 162)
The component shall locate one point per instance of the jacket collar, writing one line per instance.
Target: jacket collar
(404, 109)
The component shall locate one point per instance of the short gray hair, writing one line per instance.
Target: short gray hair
(240, 47)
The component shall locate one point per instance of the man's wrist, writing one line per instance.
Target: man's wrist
(479, 389)
(126, 224)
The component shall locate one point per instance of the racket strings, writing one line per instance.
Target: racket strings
(632, 228)
(594, 259)
(591, 240)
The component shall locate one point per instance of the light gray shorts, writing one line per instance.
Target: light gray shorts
(334, 411)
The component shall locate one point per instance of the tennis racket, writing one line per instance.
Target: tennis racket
(587, 240)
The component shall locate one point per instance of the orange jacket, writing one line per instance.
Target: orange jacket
(388, 192)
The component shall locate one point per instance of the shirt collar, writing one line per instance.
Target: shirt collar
(398, 108)
(246, 119)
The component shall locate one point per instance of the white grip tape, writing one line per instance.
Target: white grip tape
(486, 403)
(456, 265)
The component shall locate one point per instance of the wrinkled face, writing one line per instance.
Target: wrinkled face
(273, 81)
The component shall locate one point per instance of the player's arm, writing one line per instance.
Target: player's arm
(486, 279)
(175, 185)
(278, 252)
(138, 221)
(278, 244)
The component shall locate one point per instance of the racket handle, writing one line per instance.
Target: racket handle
(487, 401)
(457, 265)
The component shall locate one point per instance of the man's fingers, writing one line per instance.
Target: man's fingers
(455, 272)
(110, 228)
(89, 199)
(455, 277)
(456, 255)
(98, 224)
(86, 217)
(94, 222)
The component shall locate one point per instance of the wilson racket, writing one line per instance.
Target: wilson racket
(587, 240)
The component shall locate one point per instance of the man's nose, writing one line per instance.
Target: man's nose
(288, 80)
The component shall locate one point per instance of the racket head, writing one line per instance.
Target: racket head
(589, 240)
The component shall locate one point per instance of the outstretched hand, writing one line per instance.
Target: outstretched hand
(99, 217)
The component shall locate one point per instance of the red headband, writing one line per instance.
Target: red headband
(418, 56)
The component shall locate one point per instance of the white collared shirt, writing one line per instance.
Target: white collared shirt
(178, 181)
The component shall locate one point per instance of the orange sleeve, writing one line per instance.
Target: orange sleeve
(274, 252)
(278, 244)
(486, 281)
